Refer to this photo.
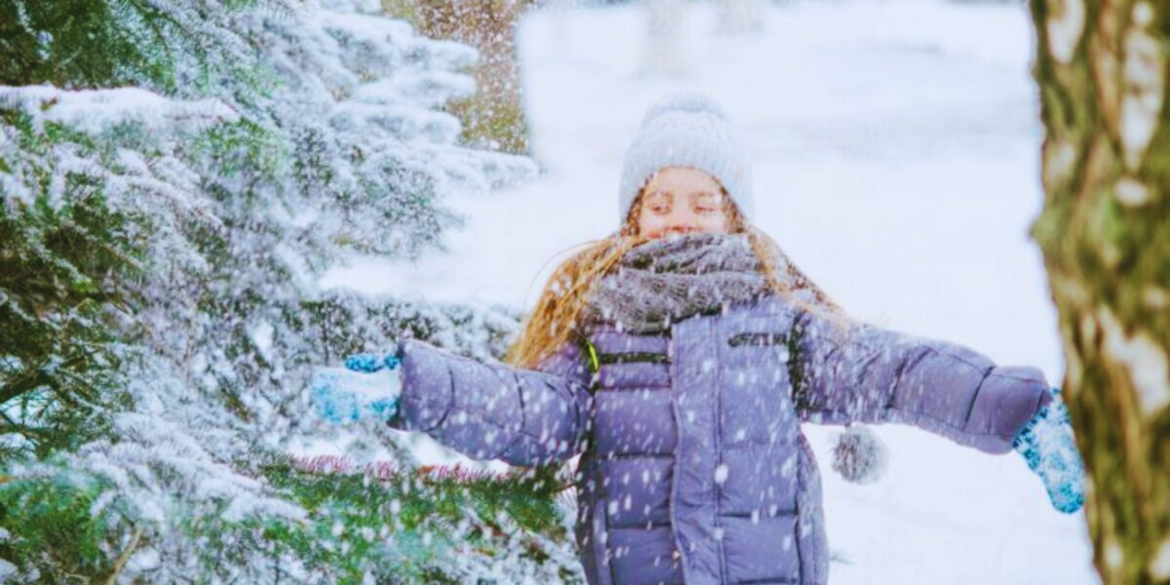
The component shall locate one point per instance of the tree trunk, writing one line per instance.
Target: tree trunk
(1105, 235)
(666, 55)
(741, 16)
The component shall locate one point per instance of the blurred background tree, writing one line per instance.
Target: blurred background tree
(493, 118)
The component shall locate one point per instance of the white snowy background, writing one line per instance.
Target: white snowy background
(896, 147)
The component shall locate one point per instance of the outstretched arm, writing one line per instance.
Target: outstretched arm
(495, 411)
(874, 375)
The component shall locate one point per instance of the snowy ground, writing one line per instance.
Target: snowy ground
(896, 148)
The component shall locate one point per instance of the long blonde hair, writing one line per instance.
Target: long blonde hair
(554, 320)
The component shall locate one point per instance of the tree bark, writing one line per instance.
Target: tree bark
(1101, 66)
(741, 16)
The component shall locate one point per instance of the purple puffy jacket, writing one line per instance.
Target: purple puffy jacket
(694, 468)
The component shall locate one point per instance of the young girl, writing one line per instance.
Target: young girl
(679, 356)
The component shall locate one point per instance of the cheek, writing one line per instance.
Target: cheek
(647, 223)
(717, 222)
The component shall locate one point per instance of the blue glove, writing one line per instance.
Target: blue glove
(1048, 445)
(369, 384)
(371, 362)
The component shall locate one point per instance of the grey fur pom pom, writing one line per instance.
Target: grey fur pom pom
(859, 455)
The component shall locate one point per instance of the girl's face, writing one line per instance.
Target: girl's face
(680, 200)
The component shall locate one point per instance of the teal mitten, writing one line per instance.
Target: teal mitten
(1048, 445)
(369, 384)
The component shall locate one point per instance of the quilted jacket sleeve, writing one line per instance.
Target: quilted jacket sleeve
(873, 375)
(495, 411)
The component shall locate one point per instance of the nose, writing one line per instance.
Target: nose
(677, 225)
(680, 220)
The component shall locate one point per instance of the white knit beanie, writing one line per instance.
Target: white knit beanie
(691, 130)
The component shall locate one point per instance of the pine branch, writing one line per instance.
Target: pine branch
(120, 562)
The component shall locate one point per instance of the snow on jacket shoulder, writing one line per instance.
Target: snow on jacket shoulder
(694, 468)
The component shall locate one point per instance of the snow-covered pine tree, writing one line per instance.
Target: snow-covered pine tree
(175, 177)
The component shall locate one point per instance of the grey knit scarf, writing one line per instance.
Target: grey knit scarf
(667, 280)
